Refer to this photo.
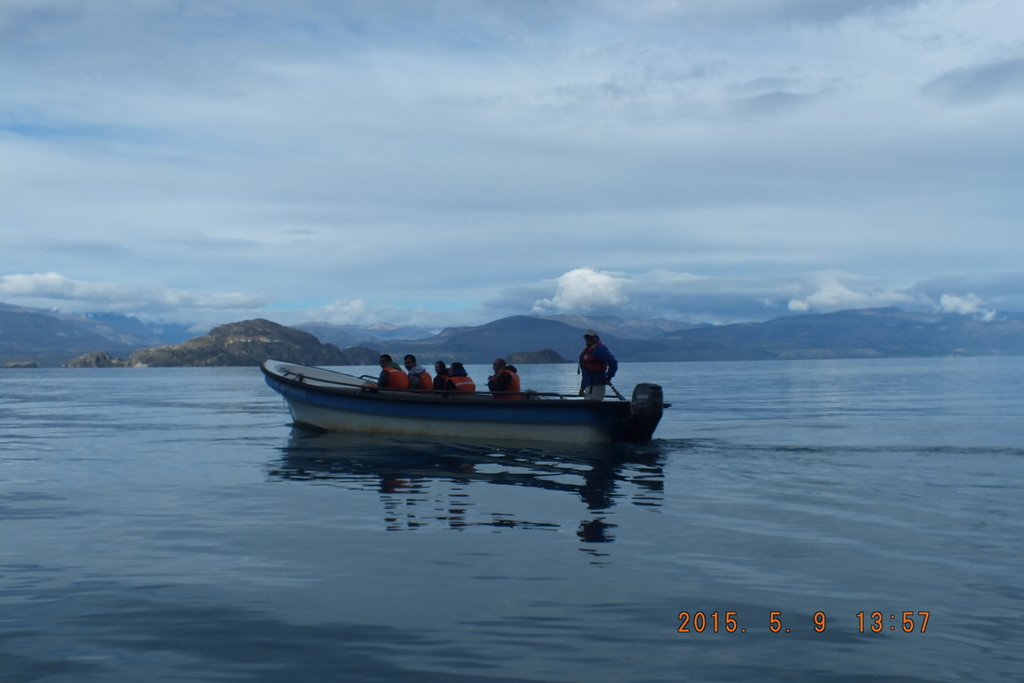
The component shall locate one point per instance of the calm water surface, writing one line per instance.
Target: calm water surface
(171, 525)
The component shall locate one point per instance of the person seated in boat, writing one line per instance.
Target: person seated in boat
(440, 375)
(505, 380)
(391, 375)
(458, 380)
(419, 378)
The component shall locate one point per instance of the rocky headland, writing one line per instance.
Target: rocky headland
(245, 343)
(96, 359)
(236, 344)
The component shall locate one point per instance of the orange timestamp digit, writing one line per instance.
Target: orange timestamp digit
(877, 622)
(699, 621)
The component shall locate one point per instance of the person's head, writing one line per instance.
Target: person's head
(590, 336)
(410, 360)
(498, 364)
(440, 368)
(385, 359)
(458, 366)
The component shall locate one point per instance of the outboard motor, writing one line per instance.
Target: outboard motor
(645, 411)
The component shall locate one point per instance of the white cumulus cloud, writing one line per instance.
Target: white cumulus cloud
(584, 290)
(965, 305)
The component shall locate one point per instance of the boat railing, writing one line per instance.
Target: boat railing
(370, 386)
(304, 378)
(450, 393)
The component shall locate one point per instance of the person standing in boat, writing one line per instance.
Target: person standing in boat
(504, 379)
(419, 378)
(440, 375)
(391, 375)
(597, 365)
(458, 380)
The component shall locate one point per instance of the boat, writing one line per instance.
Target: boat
(336, 401)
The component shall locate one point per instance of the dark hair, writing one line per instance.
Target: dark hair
(441, 363)
(457, 366)
(411, 357)
(385, 357)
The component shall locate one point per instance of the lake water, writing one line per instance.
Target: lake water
(172, 525)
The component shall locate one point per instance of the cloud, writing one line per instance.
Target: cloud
(950, 303)
(584, 290)
(359, 312)
(982, 83)
(832, 294)
(747, 12)
(47, 289)
(657, 293)
(697, 298)
(202, 311)
(707, 160)
(965, 305)
(771, 102)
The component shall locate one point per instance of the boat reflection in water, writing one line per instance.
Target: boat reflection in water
(427, 482)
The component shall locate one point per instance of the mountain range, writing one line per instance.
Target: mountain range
(344, 336)
(860, 333)
(52, 339)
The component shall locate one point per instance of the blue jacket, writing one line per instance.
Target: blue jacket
(599, 353)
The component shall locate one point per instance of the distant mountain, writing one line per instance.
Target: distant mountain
(44, 339)
(132, 331)
(249, 342)
(497, 339)
(860, 333)
(361, 335)
(359, 355)
(623, 328)
(863, 333)
(32, 336)
(52, 337)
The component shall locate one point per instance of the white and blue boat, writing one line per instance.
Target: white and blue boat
(339, 402)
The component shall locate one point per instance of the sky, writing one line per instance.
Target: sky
(451, 162)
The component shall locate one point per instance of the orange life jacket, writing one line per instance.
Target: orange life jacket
(426, 383)
(588, 362)
(513, 385)
(462, 383)
(396, 378)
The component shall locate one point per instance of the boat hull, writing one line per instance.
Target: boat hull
(347, 407)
